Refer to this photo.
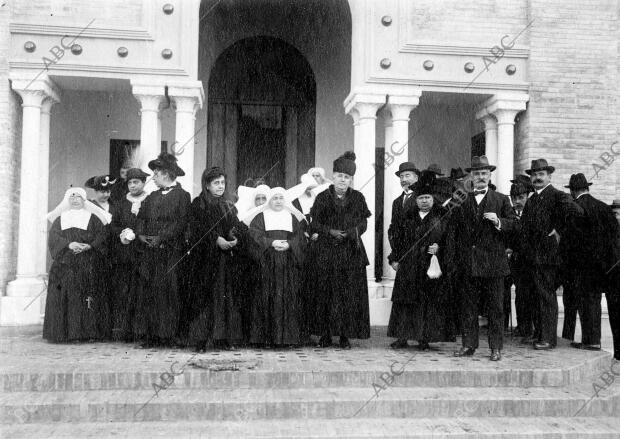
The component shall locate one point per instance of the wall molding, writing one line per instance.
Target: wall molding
(77, 68)
(126, 33)
(461, 50)
(452, 86)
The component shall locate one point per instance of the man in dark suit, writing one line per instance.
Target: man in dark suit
(408, 174)
(612, 292)
(594, 253)
(486, 218)
(545, 218)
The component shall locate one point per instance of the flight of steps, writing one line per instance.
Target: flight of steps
(308, 393)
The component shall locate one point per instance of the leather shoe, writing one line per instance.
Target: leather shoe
(591, 347)
(495, 355)
(325, 341)
(574, 344)
(399, 344)
(344, 343)
(464, 352)
(542, 346)
(423, 346)
(528, 340)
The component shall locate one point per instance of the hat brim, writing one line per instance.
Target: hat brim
(614, 206)
(158, 164)
(477, 168)
(551, 170)
(417, 171)
(578, 187)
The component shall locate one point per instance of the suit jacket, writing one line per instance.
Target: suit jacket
(552, 209)
(396, 231)
(595, 236)
(482, 244)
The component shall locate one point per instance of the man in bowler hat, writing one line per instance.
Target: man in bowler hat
(593, 253)
(487, 217)
(545, 218)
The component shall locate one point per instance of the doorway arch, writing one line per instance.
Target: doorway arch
(261, 114)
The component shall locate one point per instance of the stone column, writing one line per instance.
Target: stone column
(44, 147)
(397, 152)
(188, 99)
(363, 109)
(22, 304)
(505, 107)
(490, 135)
(150, 97)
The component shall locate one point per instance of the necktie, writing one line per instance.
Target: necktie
(480, 192)
(405, 198)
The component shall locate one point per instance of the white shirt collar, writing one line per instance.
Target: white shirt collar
(580, 195)
(423, 214)
(538, 191)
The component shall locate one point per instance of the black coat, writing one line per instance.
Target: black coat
(552, 209)
(483, 246)
(396, 230)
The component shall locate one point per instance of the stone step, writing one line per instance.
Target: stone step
(319, 403)
(519, 368)
(390, 428)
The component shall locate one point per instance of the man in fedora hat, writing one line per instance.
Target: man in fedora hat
(486, 218)
(523, 302)
(612, 291)
(545, 218)
(592, 252)
(408, 175)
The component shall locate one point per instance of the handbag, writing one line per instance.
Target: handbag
(434, 270)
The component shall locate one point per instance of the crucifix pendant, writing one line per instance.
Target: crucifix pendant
(88, 301)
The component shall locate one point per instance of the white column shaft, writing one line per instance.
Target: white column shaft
(184, 147)
(490, 138)
(43, 182)
(505, 149)
(388, 193)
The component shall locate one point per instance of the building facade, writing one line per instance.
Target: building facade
(270, 88)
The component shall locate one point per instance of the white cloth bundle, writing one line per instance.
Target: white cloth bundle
(434, 270)
(127, 235)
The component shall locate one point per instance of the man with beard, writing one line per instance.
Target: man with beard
(408, 174)
(545, 218)
(486, 218)
(593, 254)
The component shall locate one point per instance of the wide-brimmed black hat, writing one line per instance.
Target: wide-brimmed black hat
(578, 181)
(137, 173)
(525, 180)
(100, 183)
(615, 204)
(456, 173)
(480, 162)
(425, 185)
(407, 166)
(539, 165)
(434, 168)
(167, 162)
(345, 163)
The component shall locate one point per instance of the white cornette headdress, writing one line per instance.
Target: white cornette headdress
(276, 220)
(77, 218)
(247, 198)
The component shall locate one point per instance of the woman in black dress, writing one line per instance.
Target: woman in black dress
(420, 304)
(278, 233)
(216, 238)
(127, 255)
(160, 229)
(77, 306)
(339, 217)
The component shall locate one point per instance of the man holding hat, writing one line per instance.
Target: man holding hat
(592, 254)
(487, 217)
(545, 217)
(408, 174)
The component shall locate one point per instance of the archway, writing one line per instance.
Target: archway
(261, 114)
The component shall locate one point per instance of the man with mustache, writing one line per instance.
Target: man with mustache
(593, 254)
(486, 218)
(546, 217)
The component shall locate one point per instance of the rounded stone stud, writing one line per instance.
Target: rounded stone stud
(168, 9)
(122, 52)
(76, 49)
(386, 20)
(469, 67)
(166, 54)
(385, 63)
(29, 46)
(511, 69)
(428, 65)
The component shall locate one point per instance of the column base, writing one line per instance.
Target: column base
(24, 302)
(380, 302)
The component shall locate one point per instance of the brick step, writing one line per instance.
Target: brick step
(319, 403)
(515, 370)
(391, 428)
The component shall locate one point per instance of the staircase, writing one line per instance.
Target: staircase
(114, 390)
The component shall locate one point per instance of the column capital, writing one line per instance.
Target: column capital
(34, 90)
(149, 102)
(182, 92)
(505, 101)
(366, 105)
(149, 94)
(506, 116)
(401, 105)
(47, 104)
(490, 123)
